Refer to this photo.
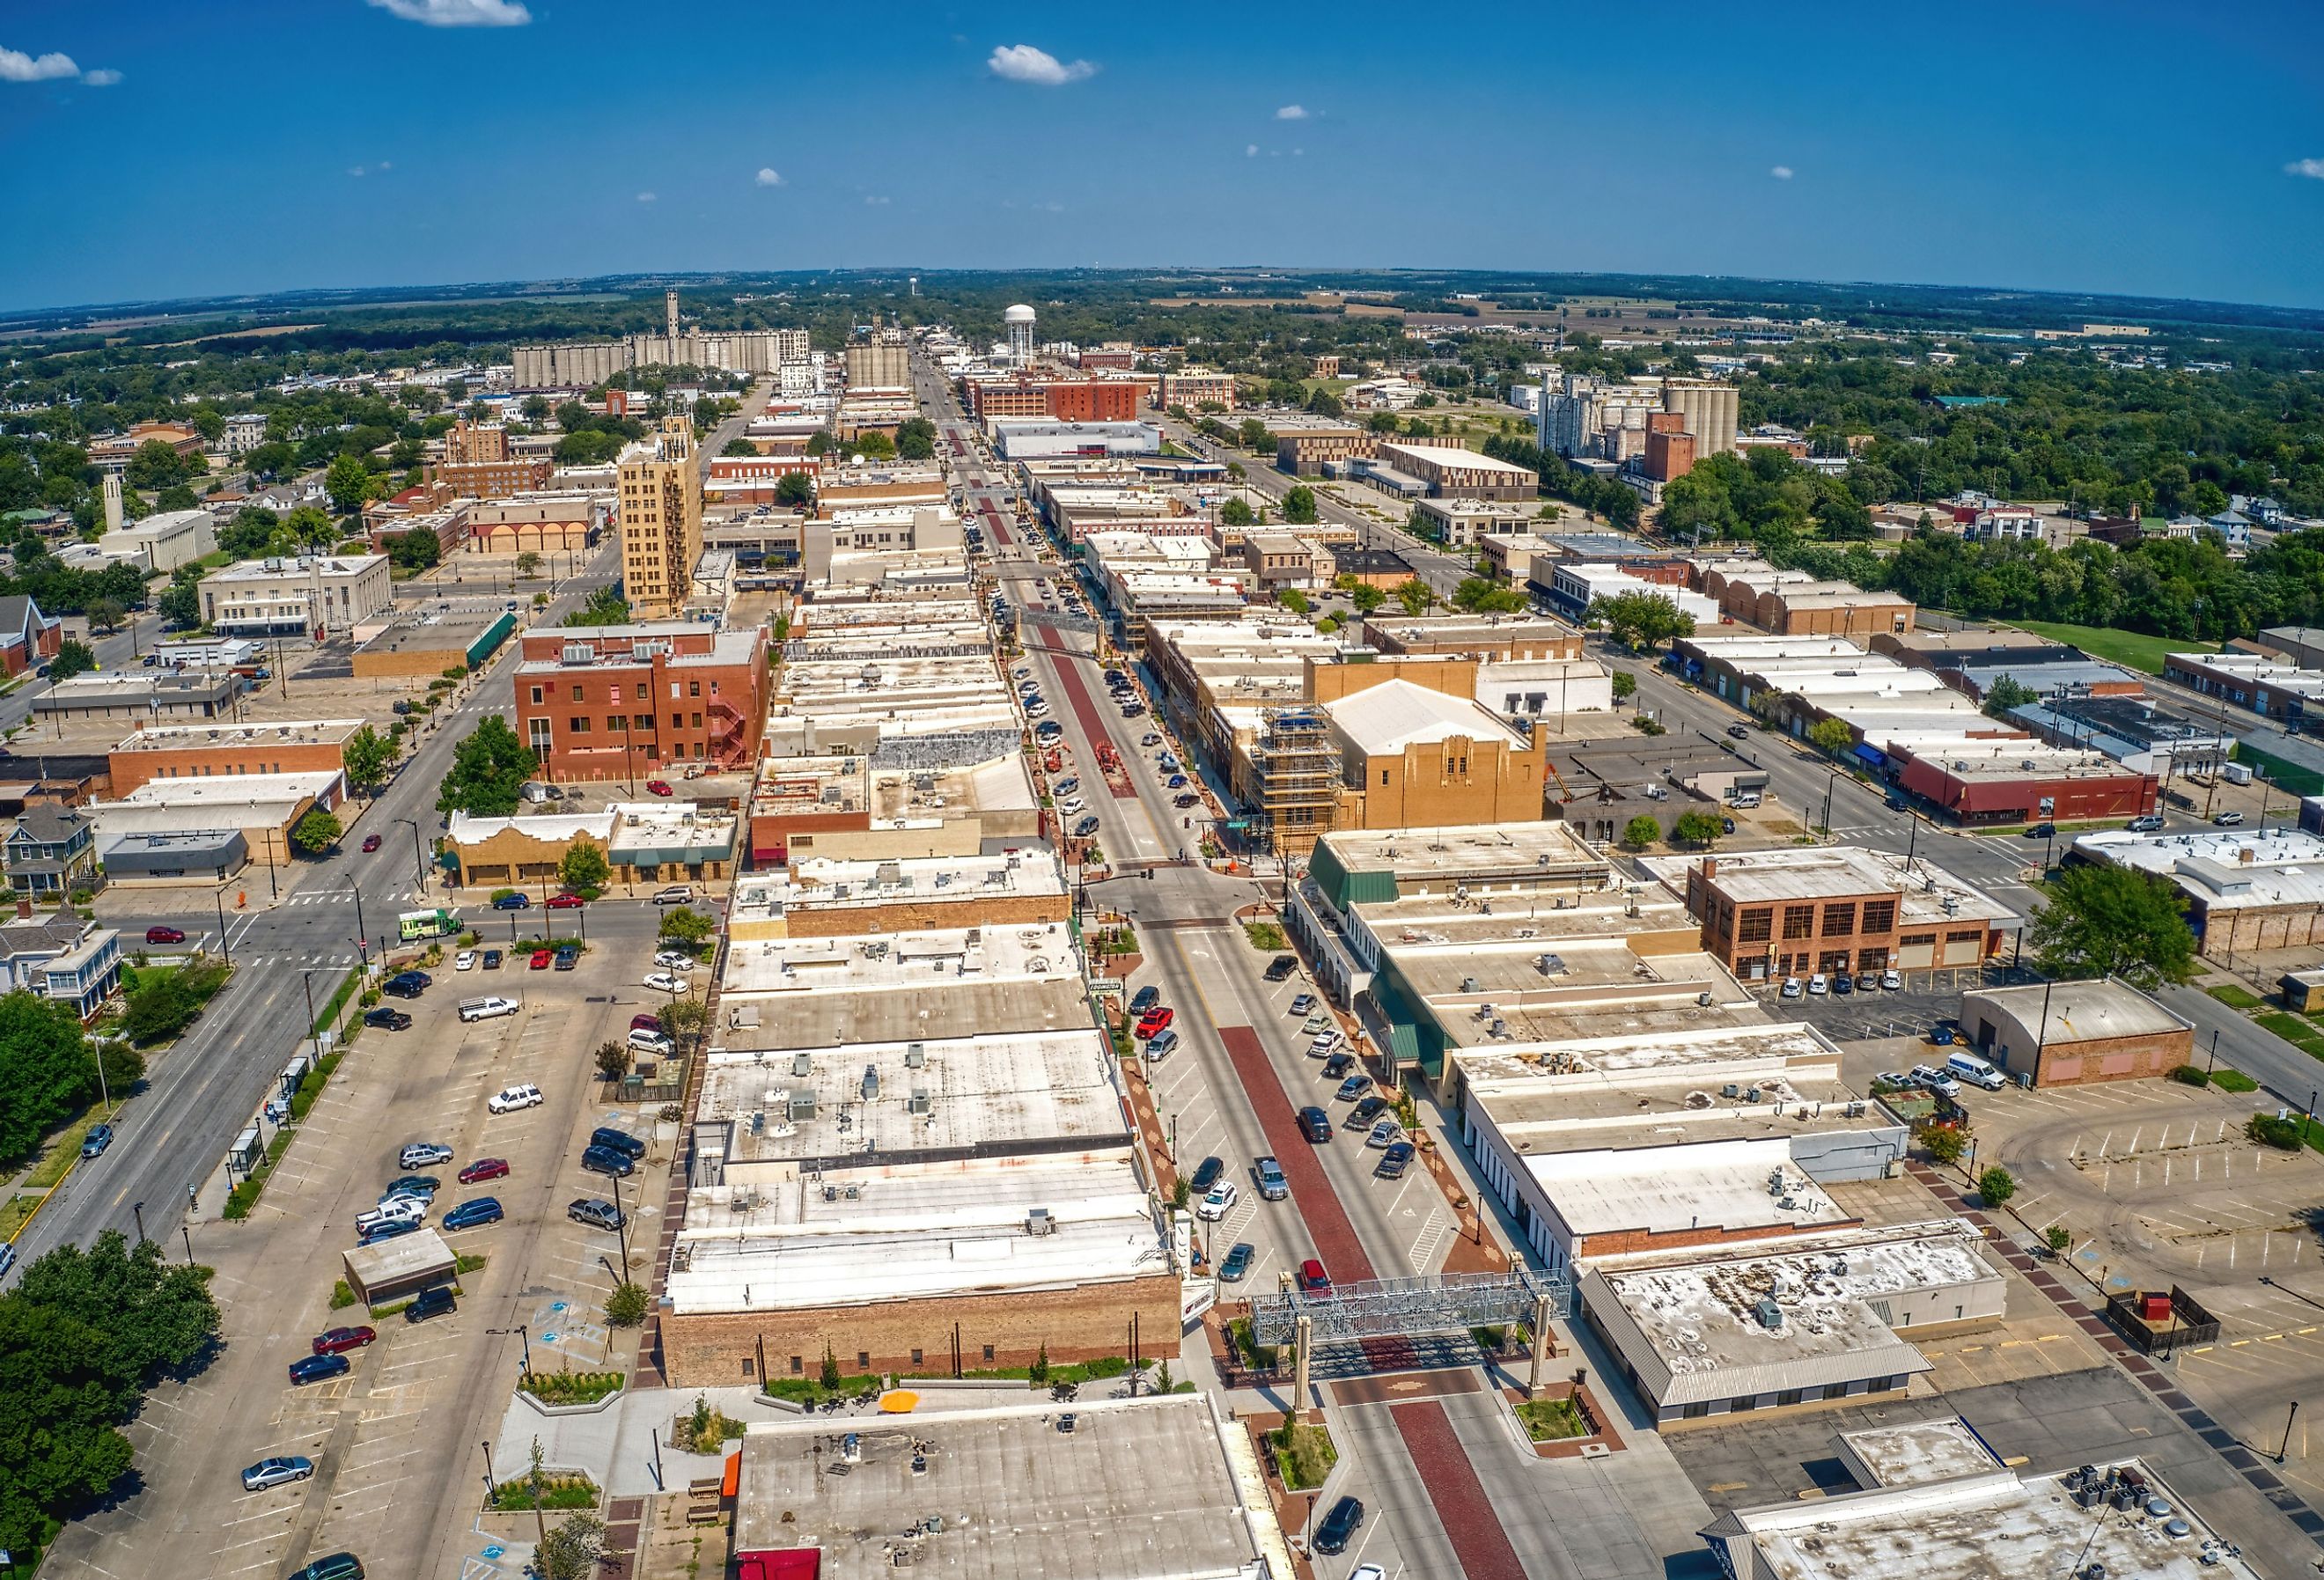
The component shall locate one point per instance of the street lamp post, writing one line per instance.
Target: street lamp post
(523, 1336)
(138, 1208)
(419, 860)
(225, 946)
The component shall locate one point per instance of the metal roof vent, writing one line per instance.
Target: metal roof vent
(1038, 1223)
(1770, 1314)
(870, 1081)
(802, 1064)
(916, 1055)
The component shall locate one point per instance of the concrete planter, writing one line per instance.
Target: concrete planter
(555, 1410)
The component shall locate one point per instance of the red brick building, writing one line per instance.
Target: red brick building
(608, 702)
(1066, 400)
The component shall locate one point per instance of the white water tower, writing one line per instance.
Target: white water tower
(1020, 319)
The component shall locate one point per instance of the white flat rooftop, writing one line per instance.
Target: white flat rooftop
(921, 962)
(1913, 1452)
(1669, 1189)
(2228, 869)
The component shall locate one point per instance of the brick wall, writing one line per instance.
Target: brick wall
(132, 769)
(1630, 1242)
(2114, 1059)
(1083, 1323)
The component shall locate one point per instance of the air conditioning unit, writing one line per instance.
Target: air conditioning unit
(916, 1055)
(1038, 1223)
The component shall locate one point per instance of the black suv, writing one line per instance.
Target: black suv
(1145, 999)
(435, 1300)
(1315, 1124)
(1206, 1175)
(618, 1141)
(406, 985)
(608, 1161)
(1280, 968)
(1339, 1525)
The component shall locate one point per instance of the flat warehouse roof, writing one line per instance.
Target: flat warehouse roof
(1659, 1190)
(1139, 1489)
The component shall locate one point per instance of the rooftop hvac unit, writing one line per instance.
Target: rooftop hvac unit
(870, 1081)
(1469, 985)
(1732, 1090)
(1770, 1314)
(1704, 999)
(802, 1105)
(802, 1064)
(916, 1055)
(920, 1102)
(1037, 1223)
(1551, 965)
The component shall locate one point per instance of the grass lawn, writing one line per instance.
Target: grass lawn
(2227, 1080)
(1264, 936)
(1304, 1454)
(16, 1211)
(62, 1148)
(1547, 1419)
(2295, 1030)
(2129, 648)
(2234, 997)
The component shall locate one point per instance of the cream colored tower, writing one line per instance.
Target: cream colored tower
(660, 518)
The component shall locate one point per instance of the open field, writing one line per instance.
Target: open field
(2122, 647)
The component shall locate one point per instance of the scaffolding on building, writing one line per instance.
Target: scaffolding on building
(1296, 766)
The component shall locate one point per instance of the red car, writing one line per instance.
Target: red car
(645, 1023)
(340, 1340)
(165, 935)
(540, 959)
(484, 1169)
(659, 787)
(1312, 1279)
(565, 902)
(371, 843)
(1153, 1021)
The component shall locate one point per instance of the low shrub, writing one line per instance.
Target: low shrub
(571, 1387)
(2188, 1074)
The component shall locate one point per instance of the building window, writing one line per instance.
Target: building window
(863, 1360)
(641, 691)
(1916, 940)
(578, 725)
(1840, 920)
(1835, 1391)
(694, 688)
(536, 697)
(677, 721)
(987, 1352)
(1799, 921)
(1383, 778)
(1788, 1396)
(1879, 916)
(1695, 1412)
(1749, 1401)
(577, 694)
(916, 1357)
(1757, 926)
(747, 1364)
(1966, 935)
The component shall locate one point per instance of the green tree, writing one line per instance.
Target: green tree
(349, 483)
(309, 528)
(2005, 693)
(488, 769)
(2114, 921)
(1640, 621)
(1299, 506)
(829, 1376)
(1995, 1186)
(873, 446)
(180, 605)
(154, 467)
(1697, 827)
(317, 832)
(739, 446)
(916, 440)
(1641, 831)
(1626, 685)
(626, 1306)
(1382, 422)
(1479, 595)
(46, 1069)
(528, 564)
(591, 446)
(795, 490)
(1255, 435)
(1235, 513)
(687, 927)
(604, 606)
(1944, 1144)
(1293, 599)
(613, 1060)
(818, 443)
(1833, 737)
(1366, 597)
(270, 460)
(367, 756)
(416, 549)
(584, 870)
(73, 657)
(105, 614)
(571, 1549)
(156, 1010)
(1323, 402)
(1415, 596)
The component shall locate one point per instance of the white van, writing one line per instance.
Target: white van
(1968, 1067)
(487, 1008)
(645, 1040)
(1744, 799)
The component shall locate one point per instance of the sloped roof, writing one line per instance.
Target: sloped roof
(1396, 713)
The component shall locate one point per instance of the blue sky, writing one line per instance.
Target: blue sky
(267, 145)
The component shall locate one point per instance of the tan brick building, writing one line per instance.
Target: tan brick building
(1302, 445)
(1195, 389)
(1799, 911)
(228, 751)
(2074, 1033)
(661, 519)
(1414, 757)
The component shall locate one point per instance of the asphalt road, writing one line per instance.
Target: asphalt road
(171, 1134)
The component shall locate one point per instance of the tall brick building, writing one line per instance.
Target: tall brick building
(1795, 912)
(603, 702)
(660, 507)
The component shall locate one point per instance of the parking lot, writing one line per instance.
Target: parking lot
(396, 1440)
(1910, 1010)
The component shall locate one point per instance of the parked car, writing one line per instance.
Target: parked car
(1353, 1087)
(1366, 1110)
(1394, 1161)
(1085, 828)
(1312, 1279)
(658, 1043)
(509, 1099)
(491, 1007)
(165, 935)
(1930, 1079)
(1150, 739)
(605, 1160)
(1304, 1004)
(343, 1339)
(435, 1300)
(1892, 980)
(1867, 982)
(1207, 1174)
(568, 957)
(337, 1565)
(2041, 831)
(1236, 1262)
(659, 786)
(1336, 1067)
(675, 959)
(565, 902)
(371, 843)
(277, 1472)
(1066, 786)
(1219, 1202)
(542, 959)
(1154, 1020)
(406, 985)
(465, 960)
(484, 1169)
(1280, 968)
(674, 894)
(387, 1017)
(1315, 1124)
(419, 1154)
(1188, 800)
(1819, 984)
(619, 1141)
(1324, 1044)
(1339, 1527)
(469, 1214)
(2149, 824)
(1274, 1185)
(516, 901)
(386, 1229)
(1383, 1132)
(99, 1137)
(2227, 820)
(1145, 999)
(595, 1211)
(493, 959)
(1843, 984)
(647, 1021)
(1175, 782)
(1791, 988)
(318, 1368)
(666, 981)
(422, 1186)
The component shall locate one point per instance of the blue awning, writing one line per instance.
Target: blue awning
(1870, 755)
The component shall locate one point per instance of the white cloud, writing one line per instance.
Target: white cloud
(1027, 63)
(1250, 151)
(15, 66)
(357, 170)
(1782, 172)
(2313, 169)
(767, 177)
(384, 165)
(873, 200)
(458, 12)
(1292, 113)
(103, 77)
(645, 197)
